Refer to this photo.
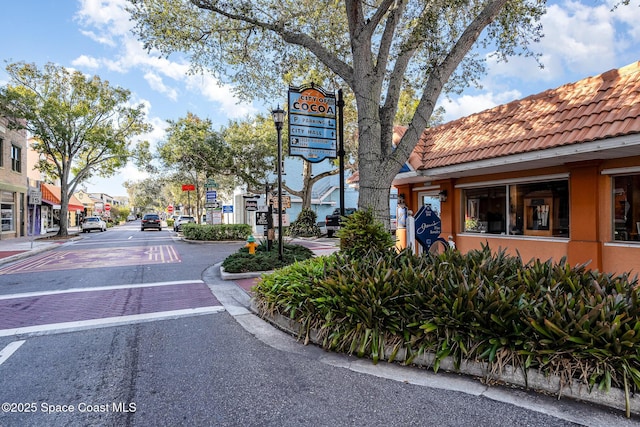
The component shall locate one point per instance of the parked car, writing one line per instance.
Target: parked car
(151, 221)
(93, 223)
(131, 217)
(182, 219)
(332, 222)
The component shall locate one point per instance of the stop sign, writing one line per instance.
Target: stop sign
(107, 207)
(170, 208)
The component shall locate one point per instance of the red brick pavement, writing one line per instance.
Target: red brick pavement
(97, 304)
(6, 254)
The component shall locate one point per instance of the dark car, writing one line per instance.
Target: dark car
(151, 221)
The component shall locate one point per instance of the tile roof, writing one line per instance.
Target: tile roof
(595, 108)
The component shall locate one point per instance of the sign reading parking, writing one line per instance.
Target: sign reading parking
(312, 123)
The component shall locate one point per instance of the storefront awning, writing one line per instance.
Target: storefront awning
(51, 196)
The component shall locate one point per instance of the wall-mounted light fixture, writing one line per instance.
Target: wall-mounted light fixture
(443, 195)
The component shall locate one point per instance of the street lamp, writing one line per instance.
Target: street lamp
(278, 120)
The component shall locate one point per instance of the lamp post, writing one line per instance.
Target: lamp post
(278, 120)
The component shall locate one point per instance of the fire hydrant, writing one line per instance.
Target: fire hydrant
(252, 245)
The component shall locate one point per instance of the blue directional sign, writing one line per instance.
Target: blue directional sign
(428, 226)
(312, 123)
(212, 195)
(227, 208)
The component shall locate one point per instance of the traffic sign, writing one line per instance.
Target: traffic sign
(212, 195)
(35, 197)
(227, 208)
(286, 201)
(212, 205)
(170, 208)
(107, 207)
(188, 187)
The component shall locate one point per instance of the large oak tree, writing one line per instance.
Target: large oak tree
(376, 48)
(82, 125)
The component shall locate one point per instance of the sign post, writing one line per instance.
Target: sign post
(35, 198)
(188, 188)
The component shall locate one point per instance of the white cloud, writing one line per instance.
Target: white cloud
(156, 83)
(86, 62)
(581, 39)
(211, 89)
(107, 16)
(107, 22)
(469, 104)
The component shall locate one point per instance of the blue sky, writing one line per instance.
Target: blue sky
(582, 39)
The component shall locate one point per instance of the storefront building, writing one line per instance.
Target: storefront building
(553, 175)
(50, 209)
(13, 181)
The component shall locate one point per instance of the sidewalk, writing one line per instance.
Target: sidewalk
(21, 247)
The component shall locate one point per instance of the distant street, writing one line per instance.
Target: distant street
(122, 328)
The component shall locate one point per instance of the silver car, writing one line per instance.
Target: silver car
(182, 219)
(93, 223)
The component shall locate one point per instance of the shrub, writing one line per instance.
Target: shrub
(580, 324)
(216, 232)
(305, 225)
(264, 259)
(360, 233)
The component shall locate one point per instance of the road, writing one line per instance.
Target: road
(127, 328)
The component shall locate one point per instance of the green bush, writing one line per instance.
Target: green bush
(570, 321)
(264, 260)
(360, 233)
(305, 225)
(216, 232)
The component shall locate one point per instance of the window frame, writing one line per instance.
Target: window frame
(16, 161)
(506, 187)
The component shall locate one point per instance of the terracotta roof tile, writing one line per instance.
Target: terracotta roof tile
(595, 108)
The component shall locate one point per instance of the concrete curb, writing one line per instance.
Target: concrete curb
(237, 276)
(534, 380)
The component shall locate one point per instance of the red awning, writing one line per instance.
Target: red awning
(51, 195)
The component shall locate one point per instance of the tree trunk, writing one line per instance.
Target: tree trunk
(307, 184)
(64, 210)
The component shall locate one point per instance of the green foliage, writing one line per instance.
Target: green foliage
(82, 126)
(216, 232)
(264, 260)
(360, 232)
(305, 225)
(580, 324)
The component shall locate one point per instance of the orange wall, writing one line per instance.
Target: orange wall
(591, 234)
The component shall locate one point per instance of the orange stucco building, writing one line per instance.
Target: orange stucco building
(553, 175)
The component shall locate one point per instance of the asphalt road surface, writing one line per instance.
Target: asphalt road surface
(131, 328)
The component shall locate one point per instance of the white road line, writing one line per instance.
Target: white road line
(106, 322)
(99, 288)
(9, 350)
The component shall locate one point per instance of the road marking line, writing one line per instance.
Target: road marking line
(100, 288)
(9, 350)
(109, 321)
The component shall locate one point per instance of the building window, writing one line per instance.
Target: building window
(626, 207)
(533, 209)
(16, 158)
(7, 211)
